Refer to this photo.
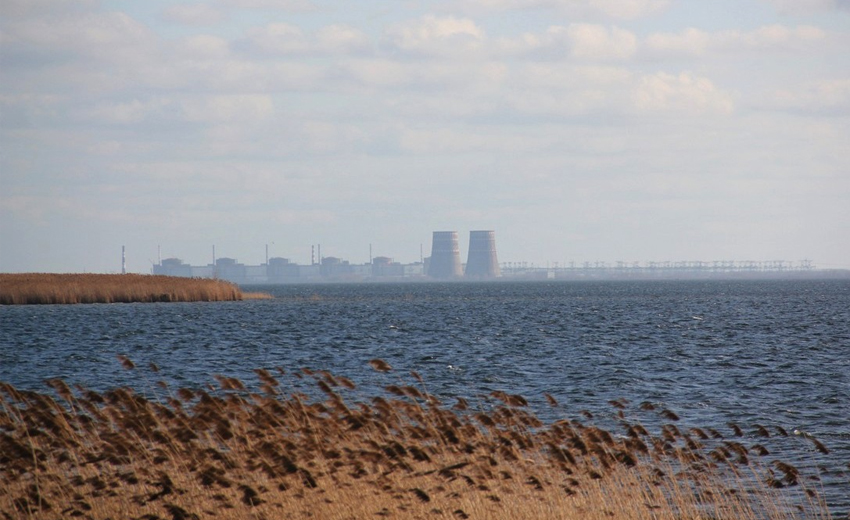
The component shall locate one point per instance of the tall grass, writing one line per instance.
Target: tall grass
(226, 452)
(45, 288)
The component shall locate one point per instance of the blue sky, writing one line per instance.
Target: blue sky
(578, 130)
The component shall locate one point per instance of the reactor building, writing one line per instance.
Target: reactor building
(445, 256)
(482, 261)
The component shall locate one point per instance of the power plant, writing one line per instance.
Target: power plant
(482, 261)
(445, 256)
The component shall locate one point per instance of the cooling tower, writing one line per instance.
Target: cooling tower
(482, 261)
(445, 255)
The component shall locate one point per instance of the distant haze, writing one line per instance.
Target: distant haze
(578, 130)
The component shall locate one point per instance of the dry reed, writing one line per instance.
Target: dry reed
(256, 296)
(48, 288)
(228, 452)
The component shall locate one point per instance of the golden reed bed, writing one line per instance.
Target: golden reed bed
(47, 288)
(225, 452)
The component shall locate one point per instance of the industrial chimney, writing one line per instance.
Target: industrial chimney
(445, 256)
(482, 261)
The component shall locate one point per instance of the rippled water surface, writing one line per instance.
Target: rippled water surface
(774, 353)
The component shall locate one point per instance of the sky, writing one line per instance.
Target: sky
(577, 130)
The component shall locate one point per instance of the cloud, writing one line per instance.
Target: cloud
(772, 36)
(807, 6)
(595, 42)
(217, 108)
(286, 39)
(133, 111)
(224, 74)
(193, 14)
(696, 42)
(452, 141)
(685, 94)
(28, 107)
(560, 77)
(341, 39)
(628, 8)
(110, 35)
(430, 76)
(622, 9)
(832, 96)
(432, 35)
(582, 41)
(202, 46)
(553, 91)
(278, 38)
(15, 8)
(690, 42)
(275, 5)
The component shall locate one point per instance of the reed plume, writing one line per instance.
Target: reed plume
(231, 452)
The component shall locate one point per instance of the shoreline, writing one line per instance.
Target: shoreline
(52, 288)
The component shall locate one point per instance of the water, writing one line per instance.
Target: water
(759, 352)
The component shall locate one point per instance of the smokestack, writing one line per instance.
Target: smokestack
(482, 261)
(445, 256)
(123, 261)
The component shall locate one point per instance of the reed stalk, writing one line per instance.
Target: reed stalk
(48, 288)
(230, 452)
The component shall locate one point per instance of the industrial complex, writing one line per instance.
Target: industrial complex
(443, 264)
(482, 263)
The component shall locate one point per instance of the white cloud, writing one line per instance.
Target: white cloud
(452, 141)
(30, 100)
(435, 35)
(691, 41)
(628, 8)
(286, 39)
(243, 107)
(322, 137)
(45, 7)
(278, 38)
(831, 95)
(696, 42)
(623, 9)
(807, 6)
(561, 77)
(341, 39)
(111, 35)
(551, 91)
(391, 74)
(588, 42)
(684, 94)
(236, 76)
(772, 36)
(193, 14)
(133, 111)
(276, 5)
(203, 46)
(595, 42)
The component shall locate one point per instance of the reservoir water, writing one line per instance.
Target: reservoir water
(751, 352)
